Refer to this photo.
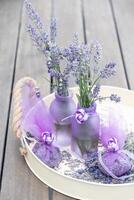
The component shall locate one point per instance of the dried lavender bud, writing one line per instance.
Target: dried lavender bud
(33, 15)
(108, 71)
(53, 30)
(96, 51)
(37, 39)
(115, 98)
(96, 91)
(55, 73)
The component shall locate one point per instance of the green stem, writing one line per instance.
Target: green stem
(94, 82)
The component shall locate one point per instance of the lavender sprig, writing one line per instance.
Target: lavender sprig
(95, 56)
(96, 91)
(112, 97)
(53, 30)
(47, 44)
(115, 98)
(33, 15)
(108, 71)
(37, 39)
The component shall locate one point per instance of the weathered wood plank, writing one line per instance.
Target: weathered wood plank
(9, 25)
(100, 26)
(59, 196)
(24, 180)
(18, 181)
(124, 15)
(69, 21)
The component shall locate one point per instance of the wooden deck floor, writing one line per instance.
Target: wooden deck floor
(109, 21)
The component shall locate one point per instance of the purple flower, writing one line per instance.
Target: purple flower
(108, 71)
(40, 40)
(53, 30)
(95, 56)
(112, 97)
(49, 48)
(33, 15)
(96, 51)
(96, 91)
(73, 51)
(54, 73)
(55, 54)
(44, 36)
(49, 64)
(38, 25)
(115, 98)
(35, 37)
(78, 59)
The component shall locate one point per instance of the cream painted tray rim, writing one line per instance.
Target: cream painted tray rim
(69, 185)
(107, 185)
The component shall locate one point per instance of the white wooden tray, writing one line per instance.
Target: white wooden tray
(77, 188)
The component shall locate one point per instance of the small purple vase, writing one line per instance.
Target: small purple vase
(85, 135)
(62, 107)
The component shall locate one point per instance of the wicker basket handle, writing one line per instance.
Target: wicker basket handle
(25, 86)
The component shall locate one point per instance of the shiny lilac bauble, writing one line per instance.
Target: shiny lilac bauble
(85, 131)
(116, 162)
(62, 107)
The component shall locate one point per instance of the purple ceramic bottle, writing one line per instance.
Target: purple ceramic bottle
(85, 131)
(61, 108)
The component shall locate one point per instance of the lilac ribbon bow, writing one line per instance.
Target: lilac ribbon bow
(81, 116)
(112, 145)
(47, 138)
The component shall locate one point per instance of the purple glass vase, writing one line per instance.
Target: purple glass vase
(85, 133)
(62, 107)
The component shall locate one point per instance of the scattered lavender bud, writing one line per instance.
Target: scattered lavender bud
(115, 98)
(96, 90)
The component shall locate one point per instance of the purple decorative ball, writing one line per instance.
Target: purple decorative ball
(117, 162)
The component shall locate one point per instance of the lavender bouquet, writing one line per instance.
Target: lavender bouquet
(57, 65)
(78, 60)
(84, 64)
(46, 43)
